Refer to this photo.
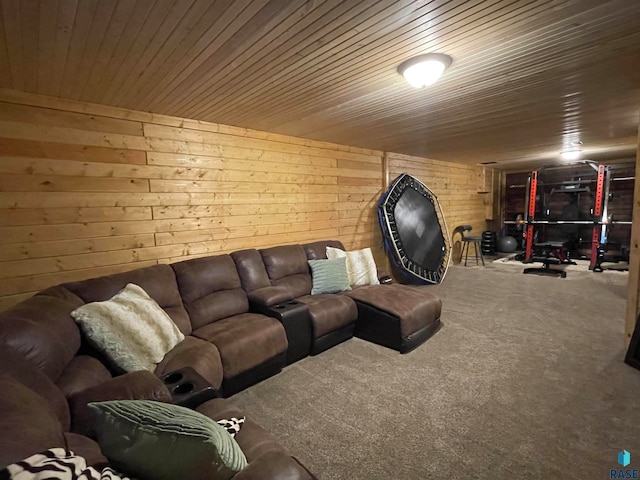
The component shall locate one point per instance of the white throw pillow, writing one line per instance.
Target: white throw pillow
(130, 328)
(361, 267)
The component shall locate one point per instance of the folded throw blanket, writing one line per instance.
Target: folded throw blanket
(57, 464)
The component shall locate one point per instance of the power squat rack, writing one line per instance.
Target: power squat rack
(601, 221)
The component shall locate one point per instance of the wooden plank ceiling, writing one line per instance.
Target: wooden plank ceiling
(528, 77)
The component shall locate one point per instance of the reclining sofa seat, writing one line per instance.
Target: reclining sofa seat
(159, 281)
(30, 422)
(280, 274)
(252, 346)
(397, 316)
(48, 374)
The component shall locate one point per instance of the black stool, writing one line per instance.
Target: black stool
(466, 241)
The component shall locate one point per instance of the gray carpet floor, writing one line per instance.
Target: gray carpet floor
(525, 380)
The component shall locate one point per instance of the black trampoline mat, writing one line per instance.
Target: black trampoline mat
(413, 229)
(419, 229)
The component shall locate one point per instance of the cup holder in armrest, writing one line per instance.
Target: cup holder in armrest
(183, 388)
(282, 306)
(188, 388)
(172, 378)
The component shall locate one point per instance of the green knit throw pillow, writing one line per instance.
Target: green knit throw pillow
(162, 441)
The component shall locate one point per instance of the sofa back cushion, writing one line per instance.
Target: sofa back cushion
(287, 266)
(84, 371)
(251, 270)
(158, 281)
(42, 331)
(211, 289)
(14, 365)
(27, 422)
(318, 250)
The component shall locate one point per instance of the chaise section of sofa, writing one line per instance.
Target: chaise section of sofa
(401, 317)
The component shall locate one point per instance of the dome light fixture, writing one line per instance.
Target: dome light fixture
(424, 70)
(572, 154)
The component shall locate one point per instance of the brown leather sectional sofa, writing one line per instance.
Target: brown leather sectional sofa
(244, 317)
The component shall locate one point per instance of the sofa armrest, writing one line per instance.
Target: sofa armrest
(267, 296)
(140, 385)
(274, 466)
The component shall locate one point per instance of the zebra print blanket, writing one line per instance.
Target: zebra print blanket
(57, 464)
(62, 464)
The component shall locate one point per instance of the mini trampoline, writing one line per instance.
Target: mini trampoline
(415, 234)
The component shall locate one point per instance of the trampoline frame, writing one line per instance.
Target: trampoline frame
(393, 243)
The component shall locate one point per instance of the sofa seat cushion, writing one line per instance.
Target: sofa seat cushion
(82, 372)
(415, 307)
(329, 312)
(245, 341)
(266, 457)
(198, 354)
(86, 448)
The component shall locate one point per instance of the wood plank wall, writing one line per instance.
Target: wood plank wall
(88, 190)
(633, 286)
(458, 188)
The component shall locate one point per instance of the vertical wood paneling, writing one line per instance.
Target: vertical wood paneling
(633, 287)
(13, 38)
(58, 60)
(87, 190)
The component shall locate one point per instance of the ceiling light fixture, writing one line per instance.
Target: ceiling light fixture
(573, 154)
(424, 70)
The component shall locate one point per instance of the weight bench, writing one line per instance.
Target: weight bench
(550, 253)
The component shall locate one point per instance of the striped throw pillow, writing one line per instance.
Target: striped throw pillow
(329, 276)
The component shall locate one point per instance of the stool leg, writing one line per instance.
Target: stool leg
(481, 256)
(466, 256)
(475, 252)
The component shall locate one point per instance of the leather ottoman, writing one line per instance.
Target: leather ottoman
(396, 316)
